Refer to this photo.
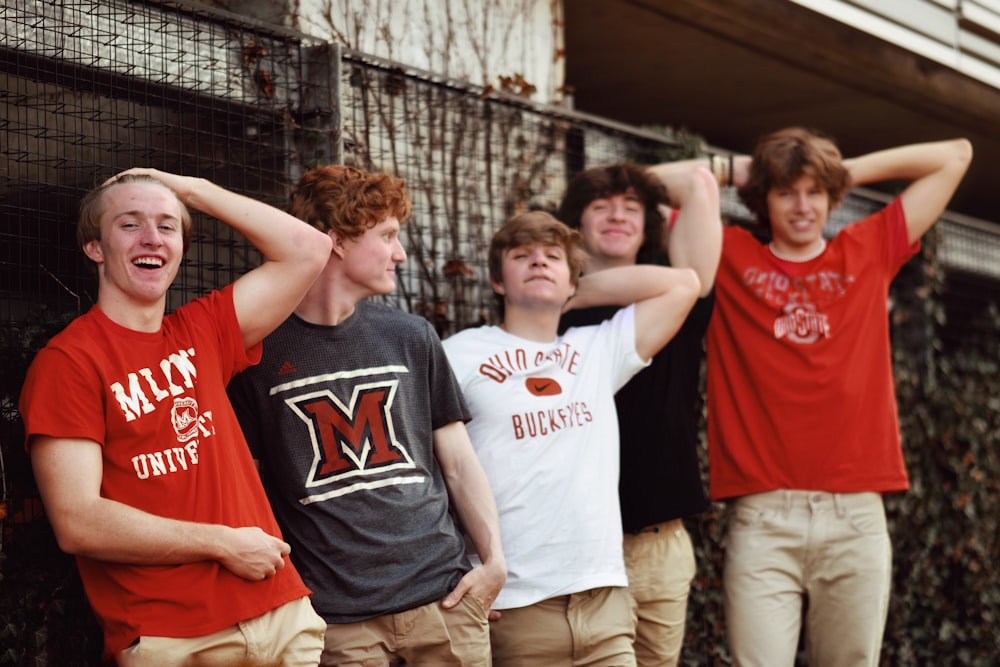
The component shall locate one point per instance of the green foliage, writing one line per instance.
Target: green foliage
(44, 615)
(686, 144)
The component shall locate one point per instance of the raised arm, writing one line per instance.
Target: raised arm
(294, 252)
(934, 170)
(69, 473)
(695, 239)
(662, 295)
(469, 490)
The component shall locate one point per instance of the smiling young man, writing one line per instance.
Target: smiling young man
(618, 210)
(802, 424)
(545, 428)
(358, 424)
(139, 458)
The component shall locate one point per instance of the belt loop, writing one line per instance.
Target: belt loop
(838, 503)
(789, 499)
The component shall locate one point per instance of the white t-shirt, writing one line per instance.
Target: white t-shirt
(545, 427)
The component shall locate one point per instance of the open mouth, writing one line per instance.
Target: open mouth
(148, 262)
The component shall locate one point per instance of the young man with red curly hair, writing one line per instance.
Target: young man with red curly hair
(358, 424)
(803, 432)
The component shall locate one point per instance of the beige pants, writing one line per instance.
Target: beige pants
(661, 566)
(786, 549)
(288, 636)
(592, 628)
(426, 635)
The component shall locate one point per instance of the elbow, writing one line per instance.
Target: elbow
(963, 151)
(317, 247)
(704, 184)
(691, 284)
(70, 541)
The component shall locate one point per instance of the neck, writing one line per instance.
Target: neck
(147, 319)
(537, 326)
(799, 254)
(330, 300)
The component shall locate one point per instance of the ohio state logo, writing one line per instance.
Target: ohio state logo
(800, 323)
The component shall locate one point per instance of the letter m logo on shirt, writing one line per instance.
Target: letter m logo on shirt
(351, 439)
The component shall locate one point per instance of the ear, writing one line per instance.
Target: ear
(498, 288)
(92, 249)
(338, 243)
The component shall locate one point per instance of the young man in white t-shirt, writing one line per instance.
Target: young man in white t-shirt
(545, 427)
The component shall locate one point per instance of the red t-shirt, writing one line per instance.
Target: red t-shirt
(800, 386)
(156, 402)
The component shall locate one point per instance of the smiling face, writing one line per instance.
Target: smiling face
(798, 213)
(612, 228)
(370, 260)
(140, 247)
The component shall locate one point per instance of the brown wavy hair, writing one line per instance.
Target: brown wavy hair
(783, 157)
(617, 179)
(531, 228)
(348, 200)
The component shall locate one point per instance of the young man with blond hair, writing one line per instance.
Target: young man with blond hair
(139, 458)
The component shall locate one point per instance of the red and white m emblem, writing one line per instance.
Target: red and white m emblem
(355, 439)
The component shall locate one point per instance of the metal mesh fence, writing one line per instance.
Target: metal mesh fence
(470, 162)
(88, 89)
(91, 87)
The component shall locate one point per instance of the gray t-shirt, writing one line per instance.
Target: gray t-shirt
(342, 420)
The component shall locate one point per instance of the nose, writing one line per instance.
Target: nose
(151, 235)
(399, 253)
(617, 212)
(538, 257)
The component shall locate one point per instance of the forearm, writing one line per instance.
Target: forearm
(625, 285)
(279, 236)
(910, 162)
(69, 473)
(470, 492)
(111, 531)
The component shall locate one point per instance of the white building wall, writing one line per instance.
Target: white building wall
(512, 45)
